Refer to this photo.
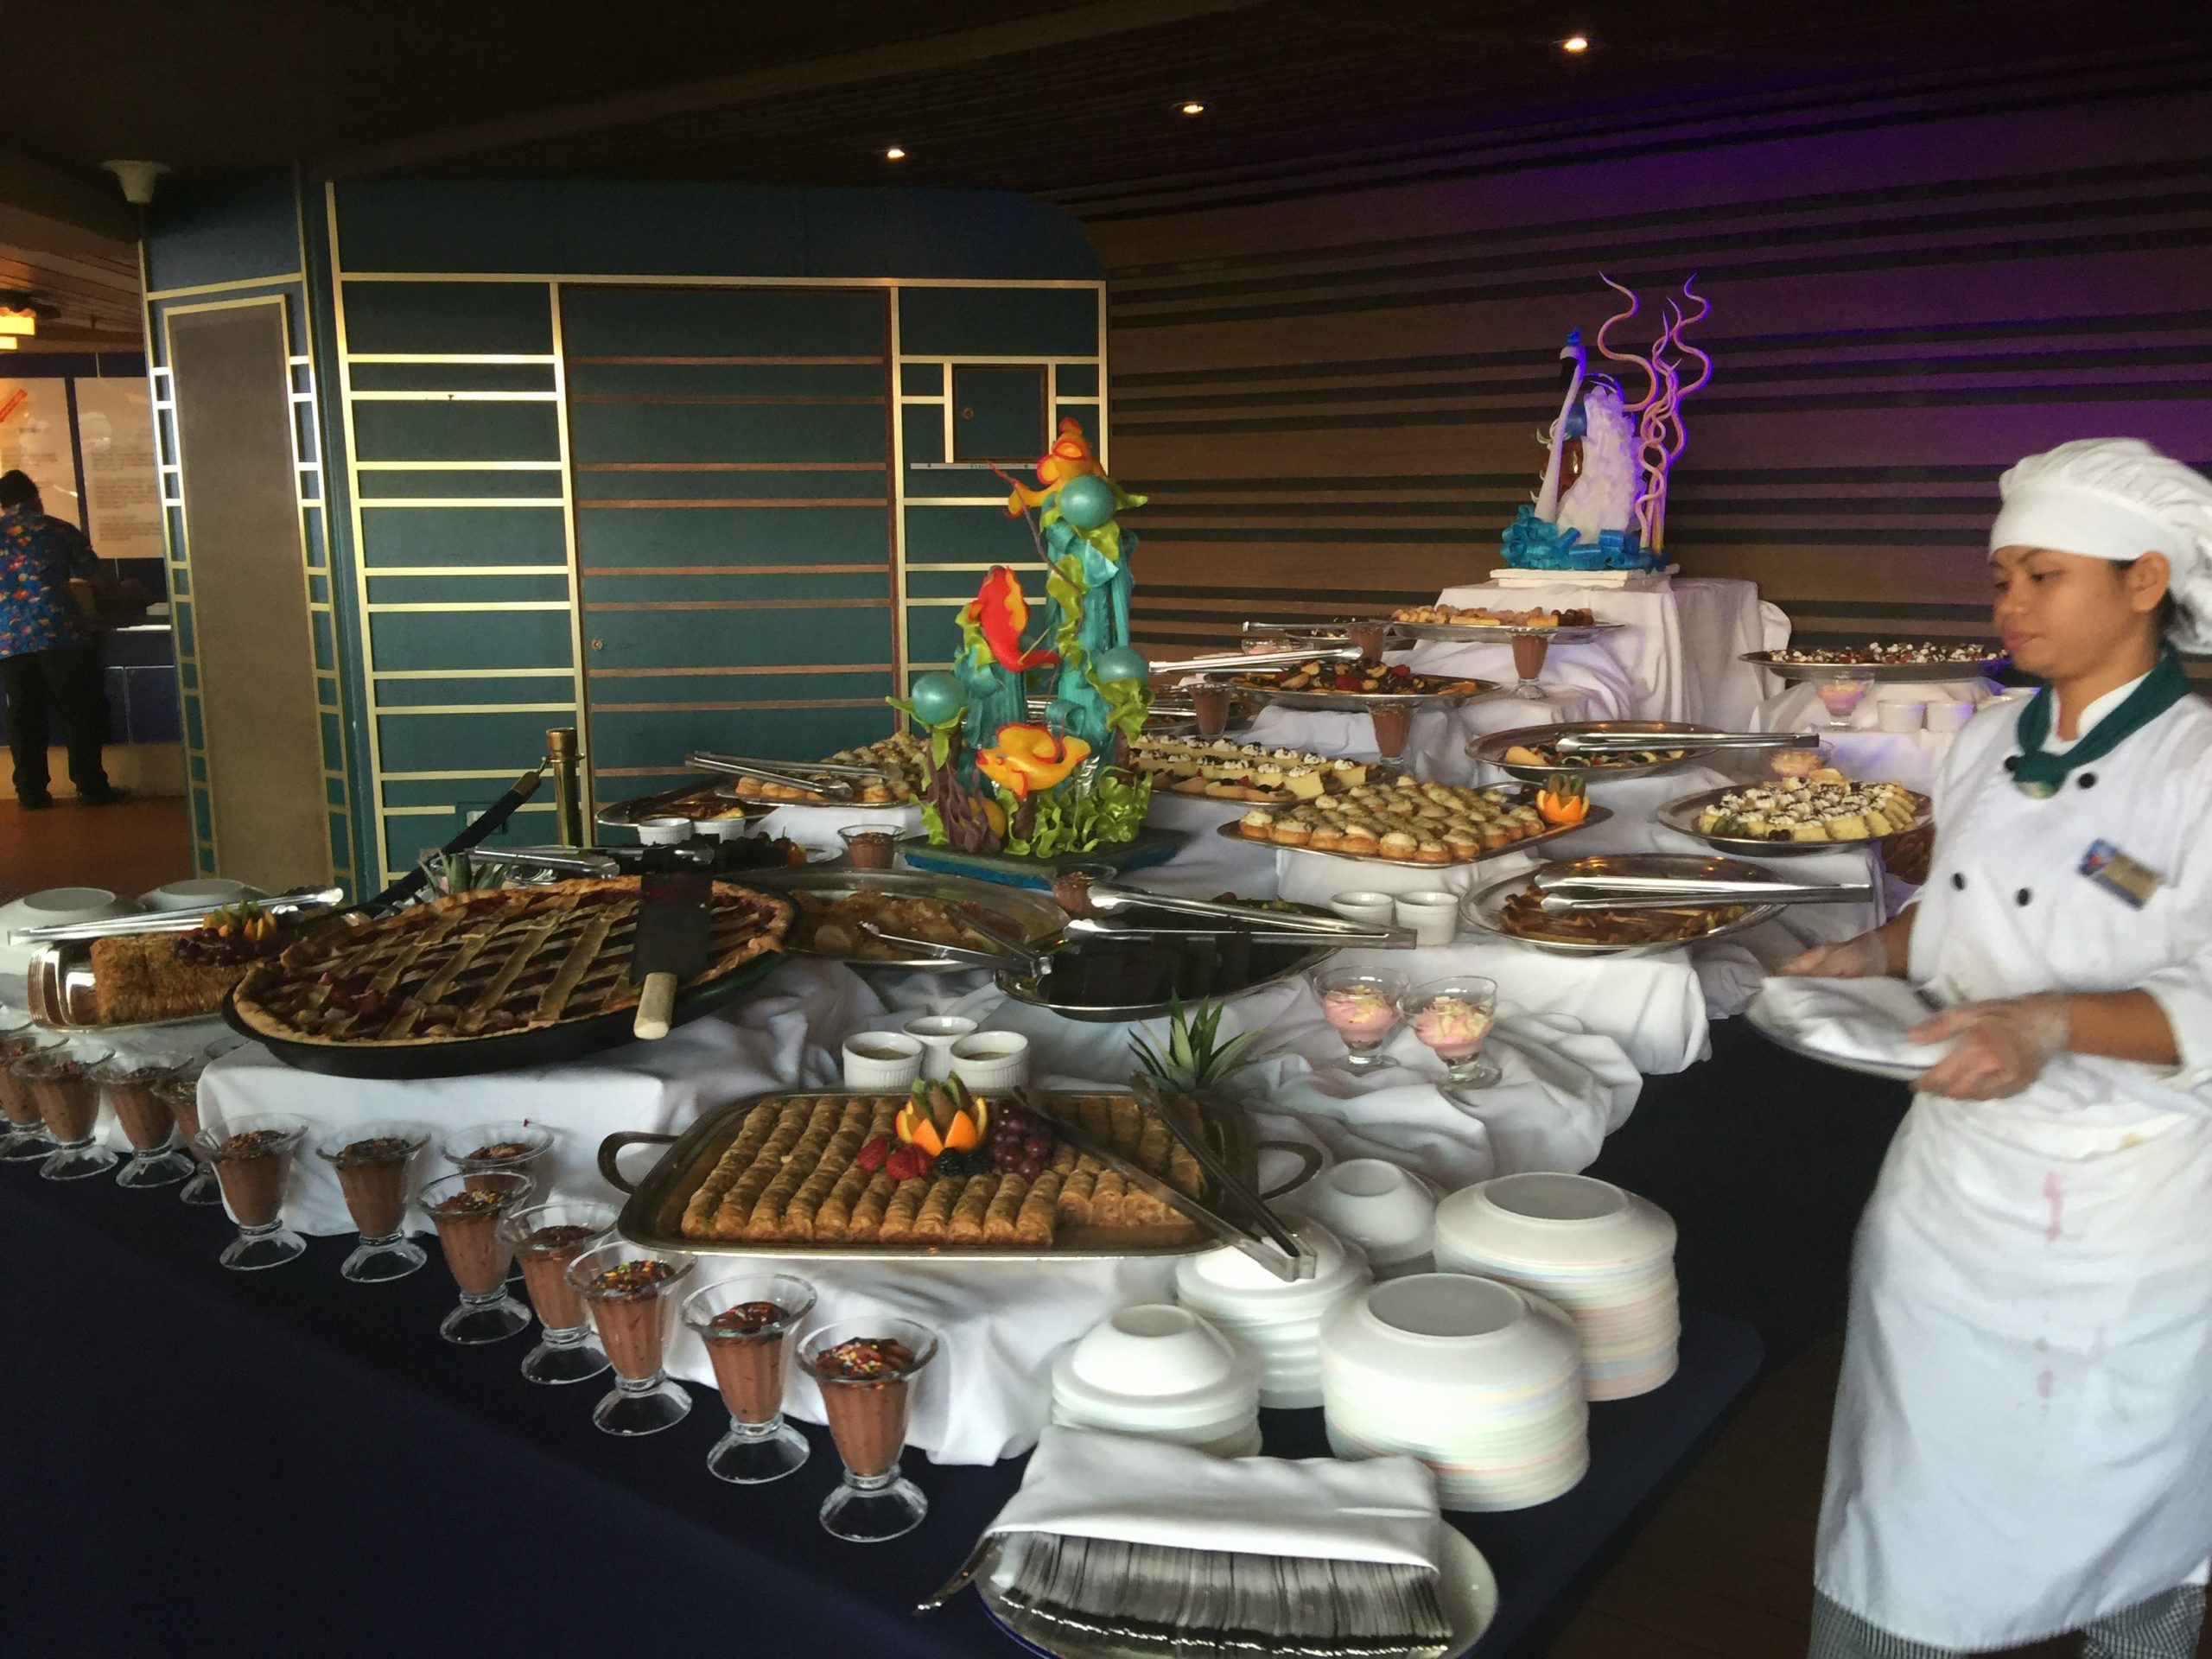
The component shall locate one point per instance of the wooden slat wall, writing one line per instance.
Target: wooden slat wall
(1332, 385)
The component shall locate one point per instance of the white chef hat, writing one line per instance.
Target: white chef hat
(2117, 498)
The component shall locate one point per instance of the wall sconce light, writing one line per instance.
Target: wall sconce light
(894, 154)
(17, 321)
(1194, 107)
(7, 342)
(1575, 44)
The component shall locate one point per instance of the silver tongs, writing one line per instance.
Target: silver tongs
(300, 902)
(1337, 929)
(1637, 742)
(1574, 892)
(1231, 662)
(1033, 961)
(1249, 1226)
(571, 861)
(815, 777)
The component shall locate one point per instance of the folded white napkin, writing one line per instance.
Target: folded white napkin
(1085, 1483)
(1852, 1019)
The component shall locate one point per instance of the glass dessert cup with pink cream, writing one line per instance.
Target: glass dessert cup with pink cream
(745, 1324)
(1452, 1018)
(1361, 1004)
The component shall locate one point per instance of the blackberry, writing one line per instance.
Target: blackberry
(951, 1164)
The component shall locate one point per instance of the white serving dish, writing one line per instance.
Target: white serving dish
(1164, 1372)
(662, 832)
(201, 893)
(988, 1061)
(49, 907)
(1226, 1285)
(1556, 1222)
(1389, 1213)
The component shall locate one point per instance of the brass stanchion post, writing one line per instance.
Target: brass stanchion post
(568, 791)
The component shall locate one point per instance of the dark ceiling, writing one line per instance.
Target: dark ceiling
(1045, 97)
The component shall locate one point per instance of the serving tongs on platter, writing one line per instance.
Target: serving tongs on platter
(1574, 743)
(1034, 960)
(836, 784)
(1234, 661)
(1569, 894)
(565, 860)
(1266, 924)
(1242, 1221)
(296, 905)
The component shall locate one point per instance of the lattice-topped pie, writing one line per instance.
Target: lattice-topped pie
(480, 964)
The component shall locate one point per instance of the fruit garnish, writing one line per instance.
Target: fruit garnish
(942, 1117)
(907, 1163)
(1564, 799)
(872, 1155)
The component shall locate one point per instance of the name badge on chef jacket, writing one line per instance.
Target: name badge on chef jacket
(2130, 883)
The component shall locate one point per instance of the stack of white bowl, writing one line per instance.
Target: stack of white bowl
(1164, 1373)
(1605, 1255)
(1388, 1212)
(1279, 1320)
(1480, 1381)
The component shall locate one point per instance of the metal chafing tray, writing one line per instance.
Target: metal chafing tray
(653, 1217)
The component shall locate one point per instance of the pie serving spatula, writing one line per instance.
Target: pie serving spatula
(673, 936)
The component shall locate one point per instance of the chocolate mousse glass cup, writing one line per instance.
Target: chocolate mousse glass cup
(1209, 703)
(546, 1238)
(26, 1139)
(252, 1158)
(513, 1147)
(865, 1367)
(1394, 725)
(869, 846)
(180, 1091)
(465, 1209)
(631, 1294)
(136, 1091)
(371, 1161)
(61, 1080)
(743, 1323)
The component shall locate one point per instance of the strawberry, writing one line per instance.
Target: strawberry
(871, 1156)
(908, 1164)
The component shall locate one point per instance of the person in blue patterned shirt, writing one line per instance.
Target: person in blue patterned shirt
(49, 654)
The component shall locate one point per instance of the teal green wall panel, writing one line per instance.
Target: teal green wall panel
(621, 739)
(636, 432)
(868, 481)
(803, 586)
(922, 379)
(799, 634)
(924, 427)
(967, 535)
(532, 483)
(588, 380)
(463, 535)
(610, 691)
(924, 582)
(437, 693)
(453, 376)
(933, 632)
(1078, 380)
(409, 837)
(669, 536)
(456, 431)
(479, 319)
(466, 590)
(979, 484)
(710, 322)
(427, 639)
(998, 321)
(459, 742)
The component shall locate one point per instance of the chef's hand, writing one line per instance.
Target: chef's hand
(1864, 958)
(2002, 1046)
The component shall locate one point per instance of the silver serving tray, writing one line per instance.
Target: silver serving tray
(1880, 673)
(762, 804)
(1363, 702)
(1491, 750)
(671, 803)
(652, 1217)
(1681, 817)
(1480, 908)
(62, 993)
(1027, 914)
(1024, 988)
(1598, 816)
(1497, 633)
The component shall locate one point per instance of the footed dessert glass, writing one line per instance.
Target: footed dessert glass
(136, 1089)
(61, 1080)
(26, 1139)
(1361, 1005)
(252, 1158)
(864, 1368)
(1452, 1017)
(465, 1210)
(372, 1160)
(181, 1093)
(630, 1292)
(512, 1146)
(546, 1238)
(743, 1323)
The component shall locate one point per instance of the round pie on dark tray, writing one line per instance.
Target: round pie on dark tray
(483, 964)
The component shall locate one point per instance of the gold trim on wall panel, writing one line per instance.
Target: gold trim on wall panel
(454, 396)
(572, 544)
(452, 356)
(707, 605)
(396, 710)
(732, 362)
(155, 296)
(361, 566)
(749, 669)
(596, 279)
(471, 570)
(464, 501)
(478, 605)
(732, 569)
(728, 467)
(751, 502)
(459, 467)
(469, 673)
(1099, 446)
(902, 644)
(724, 707)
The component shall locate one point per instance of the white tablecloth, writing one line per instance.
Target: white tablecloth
(1681, 648)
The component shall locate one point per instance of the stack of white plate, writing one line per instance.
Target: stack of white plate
(1388, 1212)
(1164, 1373)
(1605, 1255)
(1279, 1320)
(1480, 1381)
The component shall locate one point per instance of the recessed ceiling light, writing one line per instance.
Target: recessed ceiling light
(1576, 43)
(894, 154)
(1194, 107)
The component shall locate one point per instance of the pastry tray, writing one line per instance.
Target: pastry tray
(1681, 817)
(1479, 908)
(1491, 750)
(1364, 702)
(62, 993)
(677, 803)
(1497, 633)
(1880, 673)
(652, 1217)
(1598, 815)
(1029, 914)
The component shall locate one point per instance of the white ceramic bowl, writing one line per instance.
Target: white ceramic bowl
(203, 892)
(1436, 1339)
(1164, 1372)
(1950, 716)
(988, 1060)
(882, 1059)
(1567, 1223)
(1361, 905)
(732, 828)
(1226, 1285)
(1388, 1212)
(1432, 913)
(663, 832)
(936, 1034)
(1902, 717)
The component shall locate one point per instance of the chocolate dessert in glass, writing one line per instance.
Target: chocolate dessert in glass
(513, 1147)
(136, 1091)
(180, 1092)
(26, 1139)
(546, 1238)
(465, 1209)
(631, 1293)
(743, 1323)
(252, 1157)
(371, 1161)
(864, 1368)
(60, 1081)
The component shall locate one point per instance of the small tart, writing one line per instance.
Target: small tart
(1401, 847)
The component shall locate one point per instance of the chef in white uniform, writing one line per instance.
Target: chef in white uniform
(2022, 1438)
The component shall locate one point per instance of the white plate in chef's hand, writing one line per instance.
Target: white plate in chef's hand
(1856, 1024)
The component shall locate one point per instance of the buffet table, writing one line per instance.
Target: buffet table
(320, 1474)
